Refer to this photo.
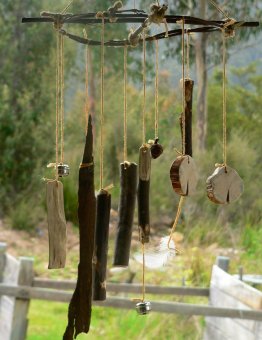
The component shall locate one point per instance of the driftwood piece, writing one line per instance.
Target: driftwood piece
(144, 192)
(79, 312)
(143, 195)
(128, 185)
(224, 185)
(183, 175)
(144, 162)
(101, 245)
(56, 224)
(189, 85)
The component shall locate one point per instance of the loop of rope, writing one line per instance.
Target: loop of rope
(125, 103)
(144, 91)
(181, 201)
(156, 91)
(102, 103)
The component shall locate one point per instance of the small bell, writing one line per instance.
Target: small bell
(63, 170)
(156, 149)
(143, 307)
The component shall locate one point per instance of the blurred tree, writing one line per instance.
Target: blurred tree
(207, 47)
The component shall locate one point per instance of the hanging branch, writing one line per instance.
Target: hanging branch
(79, 312)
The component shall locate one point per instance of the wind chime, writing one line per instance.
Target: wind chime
(223, 186)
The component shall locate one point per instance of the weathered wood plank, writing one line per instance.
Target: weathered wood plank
(2, 260)
(21, 306)
(228, 291)
(125, 288)
(26, 292)
(235, 288)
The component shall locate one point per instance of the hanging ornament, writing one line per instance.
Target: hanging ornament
(57, 233)
(224, 185)
(156, 148)
(128, 189)
(183, 171)
(103, 199)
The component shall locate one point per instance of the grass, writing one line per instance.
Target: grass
(48, 321)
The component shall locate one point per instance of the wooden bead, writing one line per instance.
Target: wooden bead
(183, 175)
(156, 149)
(224, 185)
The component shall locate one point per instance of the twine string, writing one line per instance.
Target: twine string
(143, 274)
(157, 91)
(125, 102)
(224, 102)
(144, 91)
(179, 209)
(86, 81)
(188, 57)
(102, 103)
(183, 89)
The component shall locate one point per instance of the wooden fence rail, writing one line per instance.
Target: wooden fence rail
(18, 287)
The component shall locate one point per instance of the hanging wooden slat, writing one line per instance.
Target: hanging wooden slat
(56, 224)
(101, 245)
(79, 312)
(128, 185)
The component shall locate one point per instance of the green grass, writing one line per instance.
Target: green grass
(48, 321)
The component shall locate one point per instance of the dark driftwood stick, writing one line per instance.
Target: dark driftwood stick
(79, 312)
(101, 245)
(143, 210)
(189, 84)
(128, 184)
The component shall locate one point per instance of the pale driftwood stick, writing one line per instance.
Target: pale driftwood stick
(79, 311)
(189, 85)
(128, 185)
(101, 245)
(56, 224)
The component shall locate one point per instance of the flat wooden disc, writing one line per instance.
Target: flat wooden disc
(224, 185)
(183, 175)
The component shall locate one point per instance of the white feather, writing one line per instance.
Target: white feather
(159, 257)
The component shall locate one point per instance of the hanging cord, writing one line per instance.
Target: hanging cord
(183, 88)
(134, 4)
(58, 37)
(144, 91)
(102, 71)
(224, 102)
(188, 56)
(125, 103)
(181, 201)
(219, 9)
(62, 106)
(156, 91)
(86, 81)
(66, 8)
(143, 273)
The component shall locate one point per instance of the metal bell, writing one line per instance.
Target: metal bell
(143, 307)
(63, 170)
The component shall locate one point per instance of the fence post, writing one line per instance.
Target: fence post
(2, 260)
(223, 262)
(21, 307)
